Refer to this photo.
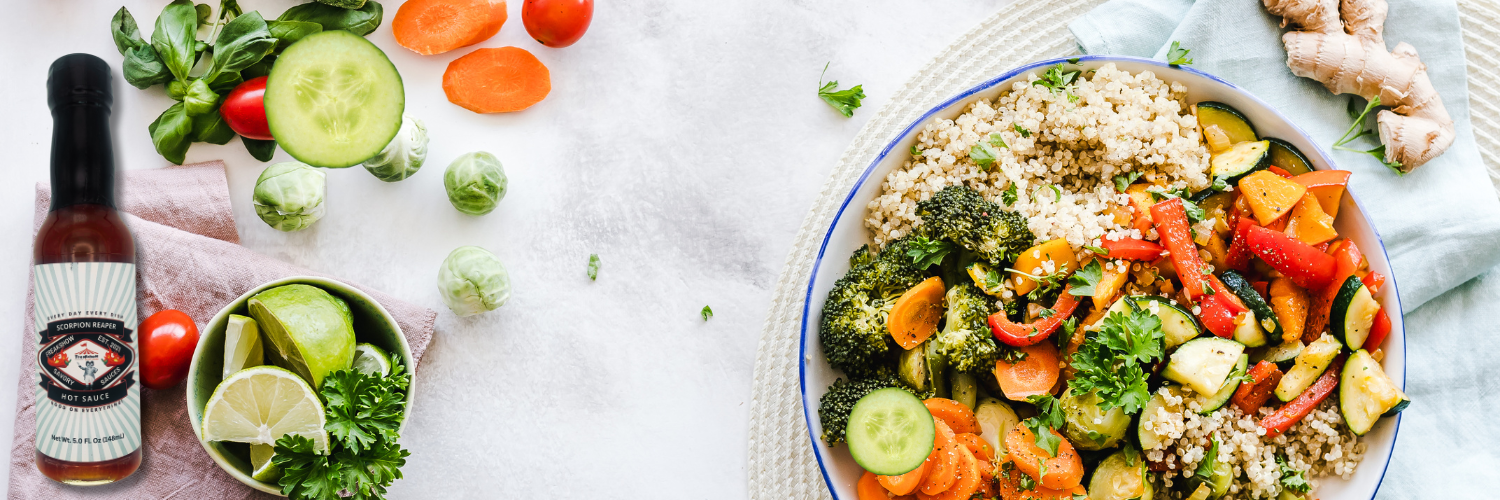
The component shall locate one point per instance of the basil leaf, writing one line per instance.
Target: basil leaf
(176, 32)
(127, 35)
(199, 98)
(362, 21)
(261, 150)
(211, 128)
(225, 83)
(170, 131)
(259, 69)
(204, 12)
(244, 41)
(142, 68)
(288, 32)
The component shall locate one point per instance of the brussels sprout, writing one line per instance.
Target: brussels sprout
(1090, 427)
(1122, 476)
(289, 196)
(404, 155)
(472, 280)
(475, 182)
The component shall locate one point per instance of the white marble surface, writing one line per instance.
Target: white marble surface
(683, 142)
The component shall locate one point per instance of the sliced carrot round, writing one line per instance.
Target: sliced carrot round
(1036, 374)
(958, 417)
(915, 316)
(1008, 482)
(944, 471)
(1064, 471)
(430, 27)
(906, 483)
(967, 482)
(869, 488)
(976, 445)
(499, 80)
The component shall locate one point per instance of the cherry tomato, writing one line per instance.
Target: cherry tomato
(167, 342)
(245, 110)
(557, 23)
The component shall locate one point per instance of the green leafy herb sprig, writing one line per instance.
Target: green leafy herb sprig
(1349, 135)
(706, 313)
(1049, 416)
(1177, 55)
(1059, 79)
(363, 414)
(1291, 478)
(926, 252)
(1112, 362)
(593, 266)
(844, 101)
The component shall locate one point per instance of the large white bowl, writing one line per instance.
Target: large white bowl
(848, 233)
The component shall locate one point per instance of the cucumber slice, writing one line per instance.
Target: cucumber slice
(1176, 323)
(1353, 313)
(1240, 160)
(890, 432)
(1203, 364)
(1150, 440)
(1366, 393)
(1257, 304)
(1310, 364)
(334, 100)
(1121, 477)
(1288, 157)
(1228, 120)
(1279, 353)
(1207, 403)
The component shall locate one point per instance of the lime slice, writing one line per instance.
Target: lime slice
(242, 345)
(260, 404)
(308, 328)
(266, 471)
(372, 360)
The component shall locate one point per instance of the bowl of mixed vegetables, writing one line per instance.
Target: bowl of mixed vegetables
(1259, 307)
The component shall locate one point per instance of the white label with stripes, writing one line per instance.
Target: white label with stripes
(88, 401)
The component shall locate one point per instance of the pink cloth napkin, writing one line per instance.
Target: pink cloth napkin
(189, 259)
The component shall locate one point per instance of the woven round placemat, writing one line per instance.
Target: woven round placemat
(781, 461)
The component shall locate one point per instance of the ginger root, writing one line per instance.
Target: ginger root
(1340, 44)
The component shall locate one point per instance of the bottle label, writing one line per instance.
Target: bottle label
(88, 404)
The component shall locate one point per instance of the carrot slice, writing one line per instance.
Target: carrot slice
(869, 488)
(958, 417)
(499, 80)
(906, 483)
(1008, 478)
(1031, 376)
(915, 316)
(976, 445)
(942, 473)
(1064, 471)
(430, 27)
(967, 482)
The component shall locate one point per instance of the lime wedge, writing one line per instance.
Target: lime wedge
(242, 345)
(260, 404)
(371, 360)
(308, 328)
(264, 469)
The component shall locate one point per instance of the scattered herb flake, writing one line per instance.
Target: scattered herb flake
(1123, 181)
(926, 252)
(593, 266)
(915, 151)
(1083, 282)
(1291, 478)
(1177, 55)
(983, 155)
(1022, 130)
(1096, 250)
(707, 313)
(844, 101)
(1009, 195)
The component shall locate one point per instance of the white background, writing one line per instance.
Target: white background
(683, 142)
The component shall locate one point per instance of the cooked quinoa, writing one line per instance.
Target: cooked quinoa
(1118, 123)
(1320, 445)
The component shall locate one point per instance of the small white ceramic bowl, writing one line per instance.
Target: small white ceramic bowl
(372, 324)
(848, 233)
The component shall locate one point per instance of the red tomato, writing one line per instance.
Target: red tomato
(167, 342)
(557, 23)
(245, 110)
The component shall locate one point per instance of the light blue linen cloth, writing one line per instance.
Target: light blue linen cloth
(1440, 223)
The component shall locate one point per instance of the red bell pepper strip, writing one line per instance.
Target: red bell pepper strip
(1171, 223)
(1236, 306)
(1280, 171)
(1238, 256)
(1253, 393)
(1022, 335)
(1291, 413)
(1346, 258)
(1298, 261)
(1378, 331)
(1260, 288)
(1373, 281)
(1132, 249)
(1216, 316)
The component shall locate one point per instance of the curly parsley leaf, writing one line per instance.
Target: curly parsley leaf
(1206, 467)
(1113, 360)
(1123, 181)
(1009, 195)
(305, 473)
(983, 155)
(364, 408)
(926, 252)
(593, 266)
(1059, 79)
(844, 101)
(1049, 416)
(1177, 55)
(1021, 130)
(1084, 282)
(1291, 478)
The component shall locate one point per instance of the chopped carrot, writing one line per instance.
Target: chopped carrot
(943, 472)
(967, 482)
(869, 488)
(1009, 480)
(976, 445)
(1031, 376)
(1063, 471)
(430, 27)
(958, 417)
(499, 80)
(906, 483)
(915, 316)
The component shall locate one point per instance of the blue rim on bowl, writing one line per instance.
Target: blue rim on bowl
(371, 319)
(809, 405)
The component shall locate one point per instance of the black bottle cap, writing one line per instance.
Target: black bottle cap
(79, 79)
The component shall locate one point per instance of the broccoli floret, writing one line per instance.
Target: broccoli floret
(835, 405)
(966, 341)
(853, 332)
(961, 215)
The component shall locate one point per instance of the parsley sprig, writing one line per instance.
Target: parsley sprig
(1291, 478)
(985, 153)
(1112, 361)
(1049, 416)
(1177, 55)
(1359, 120)
(363, 412)
(1086, 280)
(844, 101)
(1059, 79)
(926, 252)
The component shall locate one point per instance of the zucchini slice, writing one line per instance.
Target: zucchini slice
(1353, 312)
(1310, 364)
(1203, 364)
(1150, 440)
(1247, 330)
(1288, 157)
(1207, 403)
(890, 432)
(1240, 160)
(1366, 393)
(1279, 353)
(1178, 325)
(1257, 304)
(1229, 122)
